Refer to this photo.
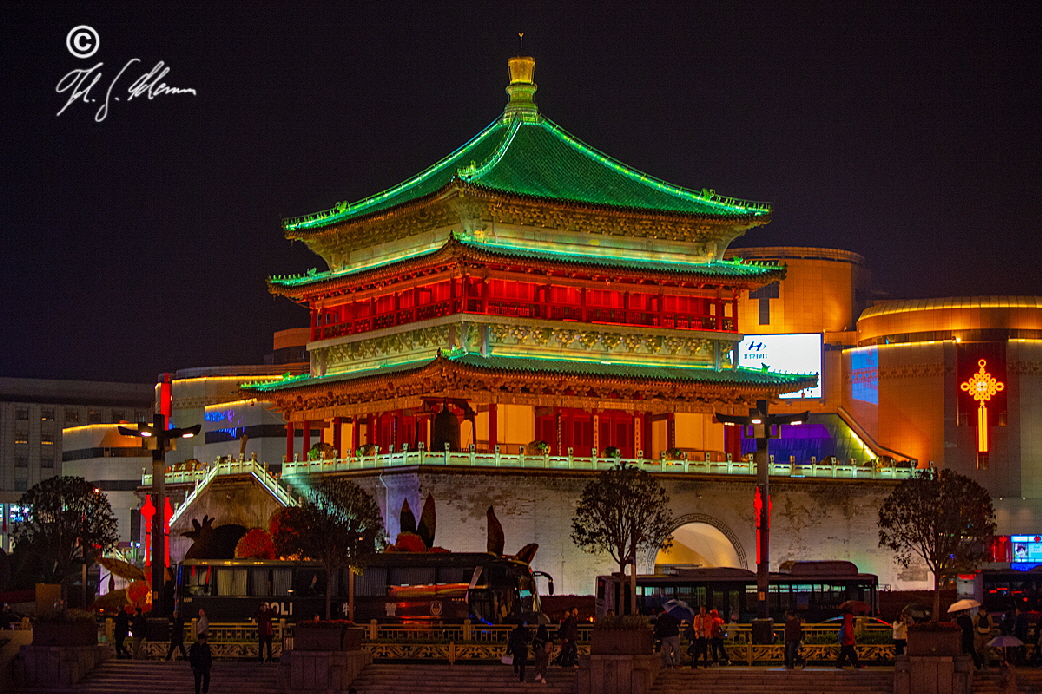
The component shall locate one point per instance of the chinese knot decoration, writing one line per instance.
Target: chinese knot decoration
(982, 386)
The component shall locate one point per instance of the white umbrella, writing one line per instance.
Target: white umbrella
(963, 605)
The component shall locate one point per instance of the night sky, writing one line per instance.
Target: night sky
(907, 132)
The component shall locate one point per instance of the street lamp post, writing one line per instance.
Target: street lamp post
(764, 427)
(160, 440)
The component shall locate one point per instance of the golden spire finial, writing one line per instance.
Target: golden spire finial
(521, 88)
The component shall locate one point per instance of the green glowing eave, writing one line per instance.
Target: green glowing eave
(541, 160)
(736, 269)
(566, 367)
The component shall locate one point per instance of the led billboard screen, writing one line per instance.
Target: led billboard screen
(799, 353)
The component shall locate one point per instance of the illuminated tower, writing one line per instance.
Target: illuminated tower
(525, 287)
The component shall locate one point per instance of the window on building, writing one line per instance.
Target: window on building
(46, 414)
(46, 439)
(47, 461)
(21, 461)
(94, 416)
(118, 416)
(21, 413)
(21, 438)
(21, 484)
(72, 416)
(765, 311)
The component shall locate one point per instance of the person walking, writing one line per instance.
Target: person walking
(698, 635)
(900, 629)
(517, 645)
(121, 631)
(137, 630)
(847, 642)
(265, 632)
(1021, 629)
(569, 638)
(177, 636)
(716, 639)
(793, 636)
(965, 622)
(667, 631)
(200, 657)
(542, 646)
(982, 627)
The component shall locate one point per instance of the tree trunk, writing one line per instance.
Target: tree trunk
(330, 582)
(936, 617)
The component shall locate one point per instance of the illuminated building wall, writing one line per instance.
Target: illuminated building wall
(914, 357)
(113, 464)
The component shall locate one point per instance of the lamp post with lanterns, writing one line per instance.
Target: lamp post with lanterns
(159, 439)
(762, 426)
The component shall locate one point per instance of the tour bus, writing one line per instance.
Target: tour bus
(815, 588)
(392, 587)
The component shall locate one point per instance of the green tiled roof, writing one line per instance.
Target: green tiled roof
(539, 159)
(740, 376)
(723, 269)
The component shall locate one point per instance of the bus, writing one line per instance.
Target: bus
(435, 587)
(1000, 590)
(814, 588)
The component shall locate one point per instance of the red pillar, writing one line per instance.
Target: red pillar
(493, 427)
(289, 441)
(305, 446)
(337, 437)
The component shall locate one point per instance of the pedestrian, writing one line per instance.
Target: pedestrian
(177, 635)
(716, 638)
(265, 632)
(138, 625)
(542, 647)
(793, 636)
(569, 638)
(517, 645)
(1021, 627)
(847, 641)
(202, 627)
(121, 631)
(698, 635)
(965, 622)
(667, 631)
(983, 625)
(201, 659)
(1007, 676)
(900, 628)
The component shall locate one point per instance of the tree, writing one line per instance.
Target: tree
(336, 523)
(66, 519)
(622, 512)
(945, 519)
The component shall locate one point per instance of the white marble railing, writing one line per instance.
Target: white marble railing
(201, 476)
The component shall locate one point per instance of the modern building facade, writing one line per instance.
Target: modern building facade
(33, 413)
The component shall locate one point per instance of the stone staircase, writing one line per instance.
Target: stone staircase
(409, 678)
(1029, 681)
(162, 677)
(776, 680)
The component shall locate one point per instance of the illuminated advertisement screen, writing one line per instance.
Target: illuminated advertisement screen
(1027, 549)
(797, 354)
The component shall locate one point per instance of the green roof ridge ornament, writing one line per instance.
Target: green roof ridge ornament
(521, 90)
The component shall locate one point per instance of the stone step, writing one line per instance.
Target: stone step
(755, 680)
(151, 677)
(403, 678)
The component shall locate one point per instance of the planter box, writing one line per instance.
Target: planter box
(946, 643)
(65, 634)
(621, 642)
